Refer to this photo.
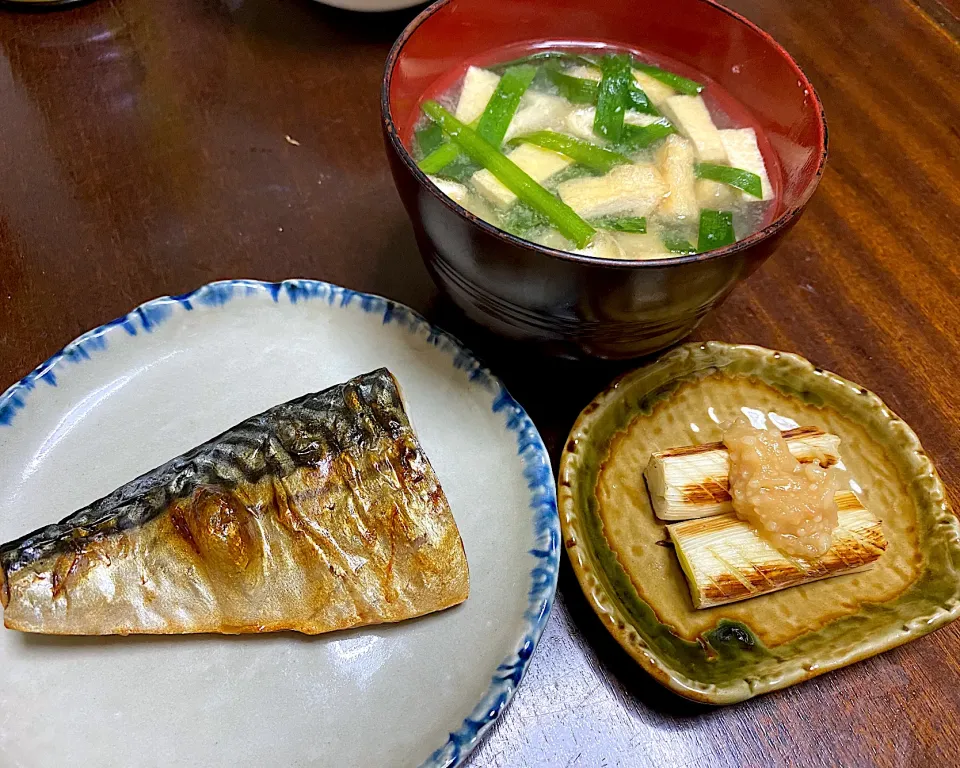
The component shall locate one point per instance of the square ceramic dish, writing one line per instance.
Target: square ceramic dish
(631, 575)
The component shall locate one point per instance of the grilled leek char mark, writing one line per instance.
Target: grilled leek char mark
(319, 514)
(726, 559)
(694, 481)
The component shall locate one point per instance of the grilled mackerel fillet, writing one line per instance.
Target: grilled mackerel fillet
(319, 514)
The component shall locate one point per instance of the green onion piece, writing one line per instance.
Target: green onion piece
(522, 220)
(448, 158)
(481, 151)
(428, 139)
(503, 104)
(575, 89)
(638, 100)
(677, 244)
(612, 96)
(716, 230)
(537, 58)
(581, 91)
(440, 158)
(636, 224)
(675, 81)
(583, 152)
(493, 122)
(733, 177)
(461, 169)
(640, 136)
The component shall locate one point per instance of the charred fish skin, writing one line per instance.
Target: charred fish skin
(324, 510)
(276, 441)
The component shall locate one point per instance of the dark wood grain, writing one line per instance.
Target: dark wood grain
(946, 13)
(148, 147)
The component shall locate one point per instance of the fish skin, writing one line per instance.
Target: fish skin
(319, 514)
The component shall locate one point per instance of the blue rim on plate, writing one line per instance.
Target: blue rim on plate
(533, 454)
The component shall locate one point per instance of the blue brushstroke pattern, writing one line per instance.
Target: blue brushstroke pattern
(533, 455)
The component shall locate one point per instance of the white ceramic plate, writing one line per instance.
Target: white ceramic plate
(176, 371)
(372, 5)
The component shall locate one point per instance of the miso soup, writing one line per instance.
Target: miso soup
(597, 153)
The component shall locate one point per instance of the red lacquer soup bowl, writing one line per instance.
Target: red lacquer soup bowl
(582, 305)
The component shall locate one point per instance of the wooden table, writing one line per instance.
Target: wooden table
(150, 146)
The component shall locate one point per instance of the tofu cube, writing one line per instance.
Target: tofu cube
(452, 189)
(579, 123)
(604, 246)
(537, 112)
(632, 117)
(692, 118)
(742, 152)
(641, 246)
(539, 163)
(634, 190)
(713, 194)
(478, 86)
(675, 161)
(584, 73)
(656, 91)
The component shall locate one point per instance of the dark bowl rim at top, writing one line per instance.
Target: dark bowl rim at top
(778, 224)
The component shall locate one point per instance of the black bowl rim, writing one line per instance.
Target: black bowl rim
(782, 222)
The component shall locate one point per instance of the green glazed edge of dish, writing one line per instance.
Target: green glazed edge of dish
(731, 664)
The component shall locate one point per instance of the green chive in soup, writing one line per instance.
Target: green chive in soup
(599, 154)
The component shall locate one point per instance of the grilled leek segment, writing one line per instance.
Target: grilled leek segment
(726, 559)
(694, 480)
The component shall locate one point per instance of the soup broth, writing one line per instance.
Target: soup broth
(596, 153)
